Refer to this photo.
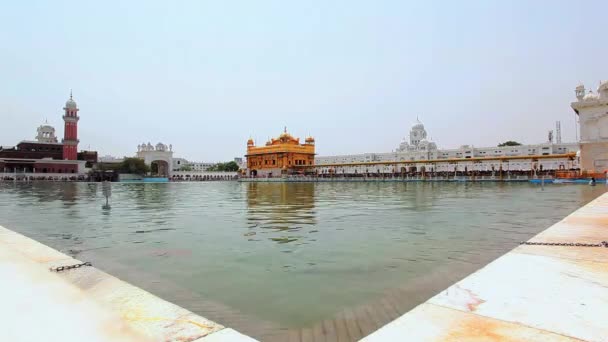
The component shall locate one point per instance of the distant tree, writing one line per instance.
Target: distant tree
(224, 167)
(134, 166)
(107, 166)
(509, 143)
(186, 168)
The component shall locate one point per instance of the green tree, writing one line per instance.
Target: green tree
(225, 167)
(231, 166)
(186, 168)
(134, 166)
(509, 143)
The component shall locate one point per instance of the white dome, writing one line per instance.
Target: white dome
(424, 142)
(417, 125)
(70, 103)
(590, 97)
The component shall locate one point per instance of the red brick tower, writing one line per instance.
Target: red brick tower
(70, 132)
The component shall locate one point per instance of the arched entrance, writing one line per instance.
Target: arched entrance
(253, 173)
(159, 168)
(159, 158)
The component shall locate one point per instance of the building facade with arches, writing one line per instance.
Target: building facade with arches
(159, 157)
(417, 152)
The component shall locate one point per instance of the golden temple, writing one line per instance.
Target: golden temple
(280, 156)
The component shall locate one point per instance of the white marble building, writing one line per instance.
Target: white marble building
(592, 109)
(423, 152)
(181, 163)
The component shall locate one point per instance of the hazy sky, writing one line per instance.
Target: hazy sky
(206, 75)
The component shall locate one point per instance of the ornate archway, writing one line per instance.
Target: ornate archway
(159, 158)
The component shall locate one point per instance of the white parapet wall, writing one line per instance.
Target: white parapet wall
(533, 293)
(86, 304)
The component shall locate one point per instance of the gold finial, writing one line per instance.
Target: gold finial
(285, 130)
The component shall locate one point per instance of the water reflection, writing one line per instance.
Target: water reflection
(286, 209)
(67, 192)
(150, 196)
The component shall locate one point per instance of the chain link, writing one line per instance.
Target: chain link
(566, 244)
(65, 268)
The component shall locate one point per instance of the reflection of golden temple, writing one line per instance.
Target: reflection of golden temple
(280, 156)
(281, 206)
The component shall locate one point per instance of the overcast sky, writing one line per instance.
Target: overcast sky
(206, 75)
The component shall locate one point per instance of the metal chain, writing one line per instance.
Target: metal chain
(65, 268)
(566, 244)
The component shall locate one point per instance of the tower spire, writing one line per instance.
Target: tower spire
(70, 94)
(285, 129)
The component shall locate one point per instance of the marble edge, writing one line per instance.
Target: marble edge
(598, 208)
(48, 257)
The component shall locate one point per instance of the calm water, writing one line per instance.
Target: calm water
(289, 254)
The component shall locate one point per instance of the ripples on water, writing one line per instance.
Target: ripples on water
(290, 253)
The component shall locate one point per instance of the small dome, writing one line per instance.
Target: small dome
(70, 103)
(590, 97)
(310, 139)
(250, 141)
(46, 127)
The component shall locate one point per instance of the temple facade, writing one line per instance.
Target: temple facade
(281, 156)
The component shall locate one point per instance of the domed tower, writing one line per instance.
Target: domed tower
(310, 140)
(70, 131)
(580, 92)
(417, 133)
